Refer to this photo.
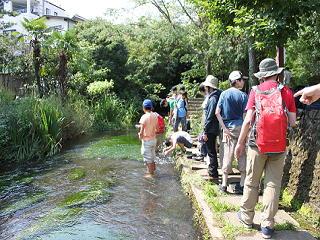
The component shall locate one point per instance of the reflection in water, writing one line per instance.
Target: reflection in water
(89, 193)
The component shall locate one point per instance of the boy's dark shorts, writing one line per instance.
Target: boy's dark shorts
(184, 141)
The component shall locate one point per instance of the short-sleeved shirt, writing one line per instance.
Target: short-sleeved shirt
(150, 122)
(232, 103)
(178, 134)
(181, 108)
(286, 94)
(172, 102)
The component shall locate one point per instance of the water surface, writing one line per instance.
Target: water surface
(95, 190)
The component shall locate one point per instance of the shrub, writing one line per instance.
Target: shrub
(110, 112)
(32, 129)
(100, 87)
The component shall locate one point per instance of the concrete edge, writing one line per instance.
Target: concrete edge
(205, 218)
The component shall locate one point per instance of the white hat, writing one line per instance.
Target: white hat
(211, 81)
(236, 75)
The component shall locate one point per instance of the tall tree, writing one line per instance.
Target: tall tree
(36, 28)
(64, 45)
(265, 23)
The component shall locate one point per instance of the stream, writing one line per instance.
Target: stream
(95, 189)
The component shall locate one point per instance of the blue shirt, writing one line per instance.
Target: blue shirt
(232, 103)
(181, 108)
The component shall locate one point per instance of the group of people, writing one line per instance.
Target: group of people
(254, 132)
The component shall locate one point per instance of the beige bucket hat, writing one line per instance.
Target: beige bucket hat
(211, 81)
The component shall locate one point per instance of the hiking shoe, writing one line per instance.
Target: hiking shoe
(197, 158)
(238, 189)
(223, 189)
(249, 226)
(266, 232)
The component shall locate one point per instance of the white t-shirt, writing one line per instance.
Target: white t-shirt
(184, 134)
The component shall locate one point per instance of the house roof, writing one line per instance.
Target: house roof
(59, 17)
(75, 18)
(55, 5)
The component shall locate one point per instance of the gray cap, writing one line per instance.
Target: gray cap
(267, 68)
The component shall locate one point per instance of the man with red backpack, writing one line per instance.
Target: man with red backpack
(270, 110)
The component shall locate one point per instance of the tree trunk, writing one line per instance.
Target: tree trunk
(252, 64)
(208, 66)
(37, 64)
(280, 56)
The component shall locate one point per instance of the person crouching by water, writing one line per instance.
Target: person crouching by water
(148, 125)
(181, 139)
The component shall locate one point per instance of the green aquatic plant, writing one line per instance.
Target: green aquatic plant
(119, 147)
(96, 193)
(23, 203)
(77, 174)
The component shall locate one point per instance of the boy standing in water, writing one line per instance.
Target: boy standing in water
(147, 134)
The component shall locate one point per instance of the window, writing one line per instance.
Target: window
(55, 13)
(47, 11)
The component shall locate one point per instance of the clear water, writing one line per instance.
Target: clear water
(95, 190)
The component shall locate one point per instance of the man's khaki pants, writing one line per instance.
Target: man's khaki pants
(272, 165)
(228, 152)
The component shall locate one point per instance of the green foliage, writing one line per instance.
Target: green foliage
(100, 87)
(224, 85)
(111, 112)
(303, 53)
(285, 226)
(32, 129)
(289, 201)
(230, 231)
(35, 26)
(267, 22)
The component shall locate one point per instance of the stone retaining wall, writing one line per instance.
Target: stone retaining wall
(302, 168)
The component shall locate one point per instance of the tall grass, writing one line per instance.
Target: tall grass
(33, 129)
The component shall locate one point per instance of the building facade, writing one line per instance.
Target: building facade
(15, 11)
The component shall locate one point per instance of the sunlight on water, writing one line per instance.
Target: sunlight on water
(95, 190)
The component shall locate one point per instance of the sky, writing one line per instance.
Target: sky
(99, 8)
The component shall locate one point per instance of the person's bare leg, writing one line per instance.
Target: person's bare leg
(224, 179)
(150, 170)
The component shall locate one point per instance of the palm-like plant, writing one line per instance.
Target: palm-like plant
(36, 29)
(64, 45)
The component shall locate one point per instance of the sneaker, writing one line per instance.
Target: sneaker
(266, 232)
(249, 226)
(197, 158)
(223, 189)
(238, 189)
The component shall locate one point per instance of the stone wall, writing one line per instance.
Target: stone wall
(302, 168)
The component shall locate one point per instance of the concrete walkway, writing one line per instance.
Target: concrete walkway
(213, 223)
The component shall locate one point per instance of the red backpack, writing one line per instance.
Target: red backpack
(161, 125)
(271, 121)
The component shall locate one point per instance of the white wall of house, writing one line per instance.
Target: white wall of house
(62, 24)
(51, 9)
(16, 21)
(32, 9)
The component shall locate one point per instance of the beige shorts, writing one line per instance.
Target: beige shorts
(148, 150)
